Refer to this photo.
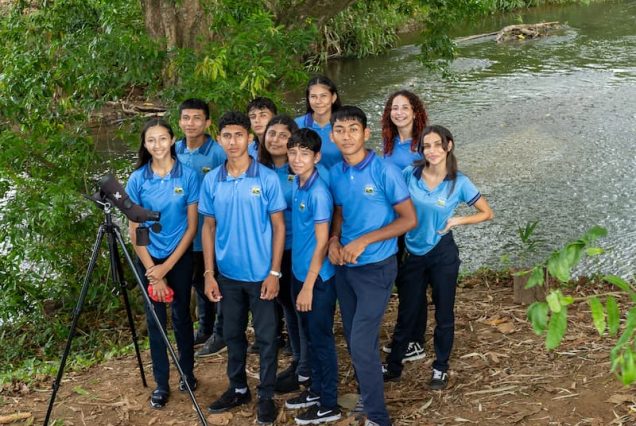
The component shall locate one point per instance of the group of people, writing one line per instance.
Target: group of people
(298, 216)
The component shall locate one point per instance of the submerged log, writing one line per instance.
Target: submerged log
(525, 31)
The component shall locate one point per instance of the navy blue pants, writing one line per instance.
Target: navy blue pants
(363, 294)
(438, 268)
(239, 298)
(206, 310)
(180, 280)
(419, 326)
(321, 346)
(295, 332)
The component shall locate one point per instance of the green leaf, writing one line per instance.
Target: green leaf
(558, 266)
(537, 276)
(613, 315)
(538, 316)
(598, 314)
(554, 301)
(622, 284)
(594, 233)
(628, 368)
(594, 251)
(556, 328)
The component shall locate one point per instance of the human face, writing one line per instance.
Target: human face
(434, 151)
(402, 113)
(157, 141)
(258, 120)
(321, 99)
(276, 140)
(234, 140)
(193, 123)
(349, 136)
(302, 161)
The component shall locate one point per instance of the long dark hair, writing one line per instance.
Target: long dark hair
(389, 129)
(446, 136)
(264, 157)
(321, 79)
(143, 156)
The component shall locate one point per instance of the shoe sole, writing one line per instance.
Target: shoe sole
(392, 379)
(318, 421)
(386, 349)
(302, 405)
(413, 358)
(220, 351)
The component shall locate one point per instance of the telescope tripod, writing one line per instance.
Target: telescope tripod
(114, 239)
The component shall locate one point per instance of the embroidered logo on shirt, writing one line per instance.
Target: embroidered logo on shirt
(441, 202)
(369, 190)
(178, 190)
(205, 169)
(256, 191)
(290, 178)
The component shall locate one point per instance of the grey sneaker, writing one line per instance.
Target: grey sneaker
(213, 346)
(439, 380)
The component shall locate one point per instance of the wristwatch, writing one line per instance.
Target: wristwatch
(276, 274)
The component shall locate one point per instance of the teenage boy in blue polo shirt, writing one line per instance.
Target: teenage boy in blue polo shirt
(373, 207)
(244, 233)
(201, 153)
(314, 294)
(260, 110)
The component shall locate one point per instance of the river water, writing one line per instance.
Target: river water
(546, 128)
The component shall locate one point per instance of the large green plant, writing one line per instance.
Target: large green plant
(551, 317)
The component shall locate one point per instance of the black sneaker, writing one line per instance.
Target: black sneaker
(159, 398)
(305, 399)
(266, 412)
(439, 380)
(289, 371)
(414, 352)
(212, 346)
(315, 415)
(229, 400)
(192, 381)
(389, 376)
(286, 384)
(200, 338)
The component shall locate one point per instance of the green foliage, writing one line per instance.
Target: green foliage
(550, 317)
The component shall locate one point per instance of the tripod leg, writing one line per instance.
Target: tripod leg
(118, 274)
(154, 317)
(76, 314)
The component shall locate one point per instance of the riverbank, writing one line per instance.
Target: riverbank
(501, 374)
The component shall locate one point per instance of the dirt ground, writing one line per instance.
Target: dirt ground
(500, 375)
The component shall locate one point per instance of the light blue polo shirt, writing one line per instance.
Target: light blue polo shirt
(252, 149)
(402, 156)
(242, 207)
(329, 150)
(203, 159)
(170, 195)
(367, 193)
(286, 179)
(434, 208)
(312, 204)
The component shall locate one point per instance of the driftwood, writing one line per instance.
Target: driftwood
(524, 31)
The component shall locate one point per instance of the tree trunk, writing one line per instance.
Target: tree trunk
(176, 26)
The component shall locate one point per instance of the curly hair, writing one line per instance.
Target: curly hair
(389, 129)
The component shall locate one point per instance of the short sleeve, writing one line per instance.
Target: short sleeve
(193, 188)
(206, 194)
(333, 178)
(322, 205)
(395, 187)
(133, 187)
(469, 193)
(275, 196)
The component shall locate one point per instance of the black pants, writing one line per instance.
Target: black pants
(419, 326)
(438, 268)
(239, 298)
(206, 310)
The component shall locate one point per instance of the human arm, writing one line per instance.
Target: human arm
(484, 213)
(269, 289)
(208, 232)
(161, 286)
(334, 246)
(405, 221)
(305, 297)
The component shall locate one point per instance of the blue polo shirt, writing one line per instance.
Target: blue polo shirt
(242, 207)
(367, 193)
(329, 150)
(434, 207)
(252, 149)
(286, 179)
(203, 159)
(402, 156)
(312, 204)
(170, 195)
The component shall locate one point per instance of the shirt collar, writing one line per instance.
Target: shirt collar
(309, 182)
(175, 172)
(204, 149)
(252, 170)
(417, 172)
(362, 164)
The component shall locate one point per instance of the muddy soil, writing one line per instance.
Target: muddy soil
(500, 374)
